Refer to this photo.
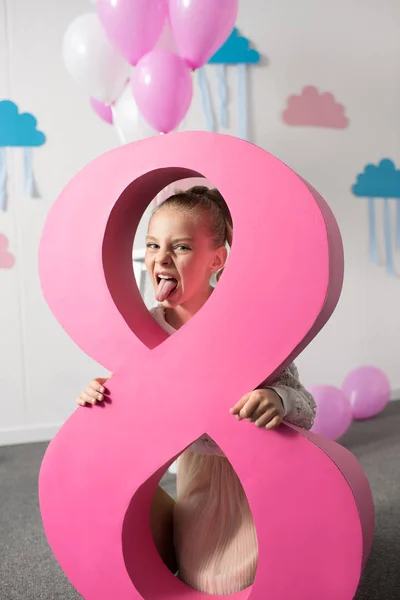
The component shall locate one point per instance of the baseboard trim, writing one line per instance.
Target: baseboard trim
(28, 435)
(44, 433)
(395, 395)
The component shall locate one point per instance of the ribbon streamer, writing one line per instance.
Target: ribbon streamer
(388, 239)
(222, 96)
(206, 100)
(3, 180)
(373, 242)
(31, 188)
(242, 101)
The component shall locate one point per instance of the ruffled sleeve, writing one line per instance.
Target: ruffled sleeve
(299, 404)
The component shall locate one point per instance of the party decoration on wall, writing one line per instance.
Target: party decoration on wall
(381, 181)
(165, 40)
(334, 415)
(18, 130)
(7, 259)
(139, 445)
(368, 390)
(237, 51)
(314, 109)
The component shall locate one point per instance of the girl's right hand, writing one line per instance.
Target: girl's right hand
(94, 391)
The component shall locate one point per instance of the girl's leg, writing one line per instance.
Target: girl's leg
(162, 527)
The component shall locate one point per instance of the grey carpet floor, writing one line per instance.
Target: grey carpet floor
(28, 570)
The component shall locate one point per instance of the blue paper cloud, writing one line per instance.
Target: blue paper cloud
(235, 51)
(382, 181)
(18, 129)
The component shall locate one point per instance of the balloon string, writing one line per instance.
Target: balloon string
(3, 180)
(206, 100)
(373, 244)
(388, 239)
(31, 189)
(242, 101)
(222, 96)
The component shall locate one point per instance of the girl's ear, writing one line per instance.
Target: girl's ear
(220, 257)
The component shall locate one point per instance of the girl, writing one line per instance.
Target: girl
(211, 523)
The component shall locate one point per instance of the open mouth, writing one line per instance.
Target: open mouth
(165, 287)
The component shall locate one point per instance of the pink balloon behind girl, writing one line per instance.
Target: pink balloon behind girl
(102, 110)
(162, 87)
(133, 26)
(368, 390)
(333, 415)
(200, 27)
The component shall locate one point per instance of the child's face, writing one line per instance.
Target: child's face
(179, 247)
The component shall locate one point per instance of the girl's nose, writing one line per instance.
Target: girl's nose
(163, 258)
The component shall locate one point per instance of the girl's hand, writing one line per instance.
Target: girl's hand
(94, 391)
(262, 407)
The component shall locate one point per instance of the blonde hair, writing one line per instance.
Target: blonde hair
(211, 206)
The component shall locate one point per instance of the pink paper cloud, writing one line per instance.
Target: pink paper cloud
(312, 109)
(7, 259)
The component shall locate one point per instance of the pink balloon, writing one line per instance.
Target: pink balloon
(133, 26)
(102, 110)
(333, 416)
(368, 390)
(201, 27)
(162, 87)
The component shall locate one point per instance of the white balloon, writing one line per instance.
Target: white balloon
(128, 121)
(92, 60)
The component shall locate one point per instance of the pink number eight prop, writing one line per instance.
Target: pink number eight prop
(310, 499)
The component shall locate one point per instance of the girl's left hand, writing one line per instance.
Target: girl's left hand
(262, 407)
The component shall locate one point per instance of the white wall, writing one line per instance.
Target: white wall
(351, 49)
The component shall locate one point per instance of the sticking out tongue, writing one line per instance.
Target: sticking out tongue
(165, 287)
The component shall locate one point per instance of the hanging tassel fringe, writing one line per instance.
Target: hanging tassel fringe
(3, 180)
(398, 224)
(206, 100)
(388, 239)
(31, 188)
(242, 101)
(373, 241)
(222, 96)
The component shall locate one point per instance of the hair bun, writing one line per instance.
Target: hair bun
(199, 190)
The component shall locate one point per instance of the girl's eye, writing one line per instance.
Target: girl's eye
(182, 248)
(152, 246)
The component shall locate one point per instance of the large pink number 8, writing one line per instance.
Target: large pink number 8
(281, 285)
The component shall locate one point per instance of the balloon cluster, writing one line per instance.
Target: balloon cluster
(99, 51)
(364, 393)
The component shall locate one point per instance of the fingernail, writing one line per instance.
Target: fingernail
(99, 397)
(102, 390)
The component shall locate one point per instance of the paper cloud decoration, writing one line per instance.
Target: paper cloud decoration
(18, 130)
(7, 259)
(381, 181)
(314, 109)
(235, 51)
